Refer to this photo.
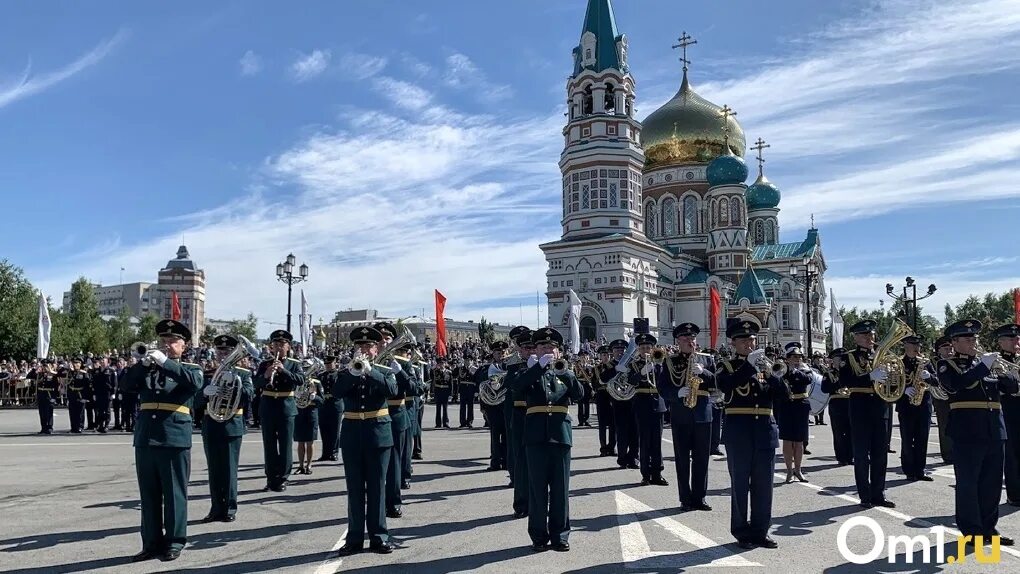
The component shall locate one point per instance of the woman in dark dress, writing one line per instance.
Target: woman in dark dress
(793, 417)
(306, 429)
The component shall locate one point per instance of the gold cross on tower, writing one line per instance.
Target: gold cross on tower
(758, 146)
(685, 41)
(726, 112)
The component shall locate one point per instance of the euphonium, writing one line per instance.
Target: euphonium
(224, 404)
(492, 391)
(891, 389)
(619, 387)
(303, 395)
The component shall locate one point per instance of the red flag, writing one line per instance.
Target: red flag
(175, 306)
(440, 324)
(1016, 305)
(714, 307)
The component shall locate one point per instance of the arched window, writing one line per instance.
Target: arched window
(610, 98)
(787, 291)
(735, 218)
(770, 232)
(587, 104)
(669, 214)
(690, 215)
(715, 205)
(724, 211)
(651, 214)
(759, 232)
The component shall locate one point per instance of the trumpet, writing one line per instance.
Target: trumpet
(140, 350)
(658, 356)
(560, 367)
(360, 365)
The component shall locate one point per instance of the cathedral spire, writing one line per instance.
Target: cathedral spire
(598, 49)
(758, 146)
(683, 41)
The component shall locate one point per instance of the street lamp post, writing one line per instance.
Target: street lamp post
(808, 270)
(910, 300)
(285, 274)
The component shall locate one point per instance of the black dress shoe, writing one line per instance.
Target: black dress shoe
(394, 513)
(1013, 502)
(348, 549)
(659, 481)
(171, 555)
(209, 518)
(381, 547)
(745, 544)
(561, 547)
(266, 488)
(885, 503)
(686, 508)
(491, 468)
(413, 457)
(280, 488)
(1005, 540)
(718, 452)
(866, 505)
(806, 451)
(334, 458)
(766, 543)
(702, 506)
(632, 465)
(645, 481)
(228, 518)
(143, 555)
(404, 485)
(536, 547)
(520, 514)
(925, 478)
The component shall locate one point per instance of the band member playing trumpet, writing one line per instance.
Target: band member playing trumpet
(750, 434)
(648, 410)
(517, 404)
(868, 413)
(1008, 339)
(366, 439)
(602, 372)
(166, 387)
(915, 420)
(277, 378)
(793, 417)
(222, 440)
(548, 387)
(839, 408)
(978, 431)
(494, 413)
(690, 418)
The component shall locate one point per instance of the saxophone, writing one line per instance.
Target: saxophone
(693, 381)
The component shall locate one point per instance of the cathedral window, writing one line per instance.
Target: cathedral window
(759, 232)
(610, 98)
(669, 214)
(650, 216)
(613, 195)
(735, 212)
(714, 207)
(587, 101)
(724, 211)
(770, 232)
(585, 203)
(785, 322)
(690, 215)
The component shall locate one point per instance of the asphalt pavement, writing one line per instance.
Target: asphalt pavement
(69, 503)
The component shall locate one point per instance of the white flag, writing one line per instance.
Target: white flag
(303, 325)
(42, 347)
(837, 321)
(575, 323)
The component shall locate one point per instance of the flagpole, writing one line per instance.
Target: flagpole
(538, 321)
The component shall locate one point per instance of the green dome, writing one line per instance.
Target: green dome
(762, 194)
(726, 169)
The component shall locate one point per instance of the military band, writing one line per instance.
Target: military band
(914, 410)
(517, 405)
(648, 410)
(330, 413)
(839, 408)
(793, 418)
(277, 378)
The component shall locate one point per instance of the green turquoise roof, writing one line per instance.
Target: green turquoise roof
(804, 248)
(762, 194)
(750, 288)
(726, 169)
(599, 20)
(697, 275)
(768, 277)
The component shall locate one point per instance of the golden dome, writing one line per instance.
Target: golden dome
(688, 128)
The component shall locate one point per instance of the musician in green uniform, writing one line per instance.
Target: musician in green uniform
(495, 412)
(548, 386)
(166, 388)
(277, 377)
(398, 419)
(329, 413)
(514, 409)
(221, 436)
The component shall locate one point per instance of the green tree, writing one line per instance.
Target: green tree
(486, 331)
(19, 313)
(120, 331)
(147, 328)
(992, 310)
(82, 319)
(247, 327)
(208, 335)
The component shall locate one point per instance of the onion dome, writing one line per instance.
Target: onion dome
(762, 194)
(686, 129)
(726, 169)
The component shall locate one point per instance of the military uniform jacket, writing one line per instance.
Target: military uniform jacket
(405, 388)
(542, 389)
(586, 376)
(235, 425)
(671, 376)
(601, 374)
(328, 398)
(903, 405)
(1010, 402)
(973, 397)
(441, 380)
(467, 382)
(748, 392)
(647, 399)
(798, 382)
(830, 383)
(286, 381)
(78, 383)
(515, 400)
(368, 394)
(104, 382)
(47, 389)
(855, 374)
(171, 388)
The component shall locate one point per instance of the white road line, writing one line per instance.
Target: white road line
(888, 511)
(331, 565)
(638, 555)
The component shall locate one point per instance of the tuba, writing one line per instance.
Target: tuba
(619, 387)
(224, 405)
(493, 389)
(892, 388)
(303, 395)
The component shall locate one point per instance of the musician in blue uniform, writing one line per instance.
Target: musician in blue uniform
(978, 431)
(750, 434)
(417, 388)
(221, 437)
(47, 394)
(166, 387)
(583, 370)
(602, 372)
(943, 350)
(366, 440)
(306, 424)
(78, 381)
(691, 428)
(548, 390)
(330, 413)
(495, 414)
(623, 416)
(277, 377)
(793, 417)
(839, 408)
(915, 420)
(868, 416)
(515, 409)
(648, 409)
(398, 419)
(1007, 337)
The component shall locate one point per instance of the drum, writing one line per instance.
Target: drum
(818, 399)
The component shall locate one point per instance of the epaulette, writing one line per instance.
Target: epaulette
(191, 365)
(726, 365)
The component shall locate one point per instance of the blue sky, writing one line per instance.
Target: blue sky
(399, 147)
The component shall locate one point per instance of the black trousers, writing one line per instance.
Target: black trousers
(626, 433)
(442, 402)
(839, 420)
(497, 437)
(45, 416)
(945, 442)
(583, 411)
(76, 412)
(329, 425)
(717, 423)
(416, 449)
(914, 430)
(649, 425)
(607, 424)
(116, 403)
(750, 478)
(978, 469)
(128, 406)
(691, 446)
(888, 428)
(871, 458)
(102, 412)
(467, 408)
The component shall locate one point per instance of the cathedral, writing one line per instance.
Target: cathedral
(658, 218)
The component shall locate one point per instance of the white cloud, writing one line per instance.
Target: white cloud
(30, 84)
(403, 94)
(462, 73)
(250, 63)
(361, 66)
(308, 66)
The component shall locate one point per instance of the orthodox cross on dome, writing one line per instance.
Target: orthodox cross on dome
(726, 112)
(759, 146)
(812, 221)
(685, 41)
